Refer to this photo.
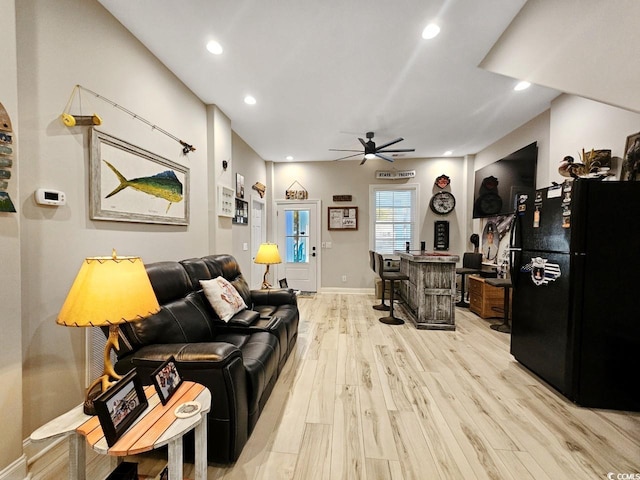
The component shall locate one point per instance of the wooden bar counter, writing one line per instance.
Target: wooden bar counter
(430, 292)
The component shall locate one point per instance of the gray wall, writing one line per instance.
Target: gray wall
(10, 318)
(349, 253)
(61, 44)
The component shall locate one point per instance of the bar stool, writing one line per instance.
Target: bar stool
(372, 264)
(505, 326)
(392, 277)
(471, 264)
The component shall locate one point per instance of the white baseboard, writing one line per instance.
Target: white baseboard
(17, 470)
(348, 291)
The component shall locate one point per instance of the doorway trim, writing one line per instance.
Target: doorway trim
(318, 226)
(263, 237)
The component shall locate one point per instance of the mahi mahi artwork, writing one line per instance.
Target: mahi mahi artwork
(163, 185)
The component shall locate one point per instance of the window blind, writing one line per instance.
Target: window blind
(394, 219)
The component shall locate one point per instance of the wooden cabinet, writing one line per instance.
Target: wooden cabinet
(483, 298)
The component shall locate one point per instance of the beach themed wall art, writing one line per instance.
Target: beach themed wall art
(6, 160)
(130, 184)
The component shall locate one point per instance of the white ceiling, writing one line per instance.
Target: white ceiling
(326, 72)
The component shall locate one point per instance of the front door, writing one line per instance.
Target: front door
(297, 242)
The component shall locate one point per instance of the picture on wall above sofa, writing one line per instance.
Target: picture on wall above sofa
(130, 184)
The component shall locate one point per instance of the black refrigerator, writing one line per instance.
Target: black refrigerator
(575, 265)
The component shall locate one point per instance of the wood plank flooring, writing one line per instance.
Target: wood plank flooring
(362, 400)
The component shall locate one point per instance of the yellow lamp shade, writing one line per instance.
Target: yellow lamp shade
(109, 291)
(268, 254)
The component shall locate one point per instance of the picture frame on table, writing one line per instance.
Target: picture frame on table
(166, 378)
(119, 406)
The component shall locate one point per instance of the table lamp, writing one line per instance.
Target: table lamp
(267, 255)
(108, 291)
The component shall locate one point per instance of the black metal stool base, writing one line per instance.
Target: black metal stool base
(462, 304)
(391, 320)
(382, 306)
(501, 327)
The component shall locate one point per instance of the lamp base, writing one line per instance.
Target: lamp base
(88, 406)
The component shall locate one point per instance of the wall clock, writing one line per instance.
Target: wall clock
(442, 203)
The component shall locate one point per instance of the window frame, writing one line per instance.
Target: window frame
(414, 188)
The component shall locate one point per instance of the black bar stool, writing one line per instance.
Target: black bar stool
(471, 263)
(505, 326)
(391, 277)
(372, 264)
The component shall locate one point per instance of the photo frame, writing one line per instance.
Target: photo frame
(130, 184)
(166, 379)
(119, 406)
(239, 185)
(343, 218)
(283, 283)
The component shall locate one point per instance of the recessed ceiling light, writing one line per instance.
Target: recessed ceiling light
(214, 47)
(249, 100)
(523, 85)
(430, 31)
(289, 157)
(447, 153)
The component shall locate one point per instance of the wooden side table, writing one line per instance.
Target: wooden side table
(483, 297)
(156, 427)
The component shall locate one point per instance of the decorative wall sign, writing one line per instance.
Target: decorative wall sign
(442, 181)
(6, 160)
(300, 194)
(129, 184)
(395, 174)
(441, 235)
(342, 198)
(343, 218)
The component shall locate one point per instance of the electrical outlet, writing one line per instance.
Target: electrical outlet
(245, 246)
(344, 278)
(328, 244)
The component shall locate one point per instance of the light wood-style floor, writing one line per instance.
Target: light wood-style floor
(363, 400)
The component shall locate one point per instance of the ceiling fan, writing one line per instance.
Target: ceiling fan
(371, 151)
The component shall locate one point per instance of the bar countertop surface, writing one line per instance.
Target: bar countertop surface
(420, 256)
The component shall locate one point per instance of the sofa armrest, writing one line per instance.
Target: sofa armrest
(274, 296)
(219, 367)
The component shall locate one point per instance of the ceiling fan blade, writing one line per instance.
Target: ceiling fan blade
(340, 150)
(364, 159)
(398, 150)
(348, 156)
(384, 157)
(390, 143)
(364, 144)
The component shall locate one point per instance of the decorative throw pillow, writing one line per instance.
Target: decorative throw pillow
(223, 297)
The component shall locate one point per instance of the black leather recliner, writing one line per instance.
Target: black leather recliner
(239, 361)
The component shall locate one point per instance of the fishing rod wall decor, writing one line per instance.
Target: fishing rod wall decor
(71, 120)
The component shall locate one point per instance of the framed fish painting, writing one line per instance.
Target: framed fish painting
(130, 184)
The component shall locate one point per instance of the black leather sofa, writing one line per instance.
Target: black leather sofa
(239, 360)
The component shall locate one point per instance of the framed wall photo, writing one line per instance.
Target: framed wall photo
(129, 184)
(166, 379)
(343, 218)
(120, 405)
(239, 185)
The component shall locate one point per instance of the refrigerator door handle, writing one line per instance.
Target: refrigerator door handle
(514, 250)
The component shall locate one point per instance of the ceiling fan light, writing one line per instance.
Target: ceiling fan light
(430, 31)
(369, 156)
(214, 47)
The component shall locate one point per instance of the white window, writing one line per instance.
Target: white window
(394, 217)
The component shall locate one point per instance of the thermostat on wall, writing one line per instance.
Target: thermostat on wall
(46, 196)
